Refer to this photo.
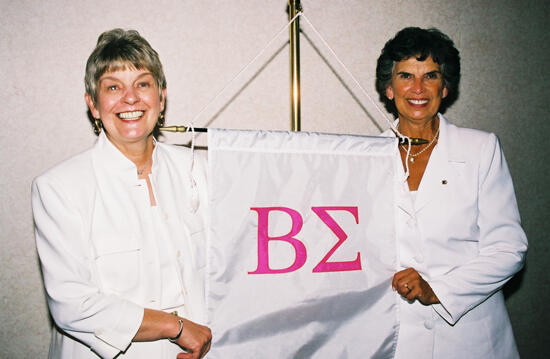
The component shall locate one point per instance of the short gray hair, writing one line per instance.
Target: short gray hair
(120, 49)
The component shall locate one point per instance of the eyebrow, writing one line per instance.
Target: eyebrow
(427, 73)
(107, 77)
(433, 72)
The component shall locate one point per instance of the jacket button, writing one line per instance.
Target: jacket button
(429, 324)
(411, 222)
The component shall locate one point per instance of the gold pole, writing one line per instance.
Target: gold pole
(182, 129)
(294, 7)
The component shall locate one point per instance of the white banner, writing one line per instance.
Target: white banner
(302, 245)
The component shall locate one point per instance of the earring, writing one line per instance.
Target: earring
(160, 122)
(97, 126)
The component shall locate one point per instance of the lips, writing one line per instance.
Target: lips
(130, 115)
(418, 102)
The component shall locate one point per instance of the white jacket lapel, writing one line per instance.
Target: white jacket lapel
(441, 169)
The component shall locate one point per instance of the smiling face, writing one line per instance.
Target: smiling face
(129, 105)
(417, 89)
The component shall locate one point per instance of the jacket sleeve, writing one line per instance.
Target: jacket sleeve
(502, 243)
(105, 323)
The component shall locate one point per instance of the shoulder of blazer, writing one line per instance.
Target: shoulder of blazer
(73, 174)
(463, 143)
(72, 182)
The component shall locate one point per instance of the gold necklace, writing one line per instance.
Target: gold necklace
(145, 167)
(413, 155)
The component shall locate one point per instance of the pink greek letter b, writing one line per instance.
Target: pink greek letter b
(264, 238)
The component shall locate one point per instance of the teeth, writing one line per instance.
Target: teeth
(130, 115)
(418, 102)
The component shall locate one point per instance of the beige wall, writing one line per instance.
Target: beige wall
(203, 44)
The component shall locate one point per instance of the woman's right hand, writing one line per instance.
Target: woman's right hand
(410, 284)
(195, 339)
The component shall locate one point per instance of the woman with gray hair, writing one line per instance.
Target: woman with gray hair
(120, 228)
(458, 227)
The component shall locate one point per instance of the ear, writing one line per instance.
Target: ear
(445, 92)
(163, 100)
(91, 105)
(389, 92)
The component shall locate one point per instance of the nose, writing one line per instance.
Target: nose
(418, 85)
(130, 96)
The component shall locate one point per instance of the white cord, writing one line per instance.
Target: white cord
(390, 122)
(349, 72)
(245, 67)
(194, 200)
(284, 28)
(406, 157)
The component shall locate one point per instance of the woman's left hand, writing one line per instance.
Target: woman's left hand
(412, 286)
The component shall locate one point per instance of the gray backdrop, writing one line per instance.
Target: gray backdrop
(203, 44)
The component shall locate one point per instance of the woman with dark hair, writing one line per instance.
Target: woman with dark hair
(120, 228)
(458, 226)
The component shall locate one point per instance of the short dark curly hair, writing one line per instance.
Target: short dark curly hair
(415, 41)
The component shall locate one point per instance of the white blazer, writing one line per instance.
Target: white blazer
(462, 234)
(97, 247)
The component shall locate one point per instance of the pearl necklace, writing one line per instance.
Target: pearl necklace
(413, 155)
